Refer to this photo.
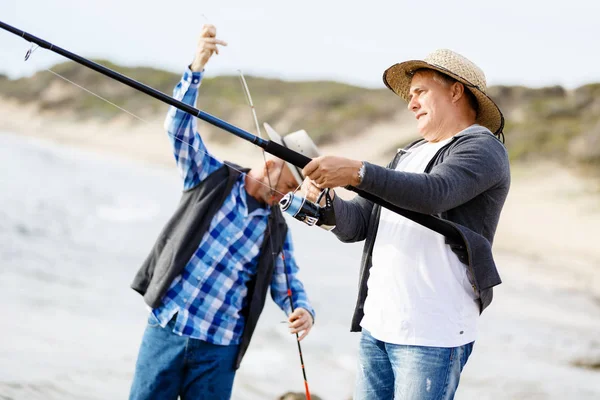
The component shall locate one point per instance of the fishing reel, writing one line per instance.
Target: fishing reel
(308, 212)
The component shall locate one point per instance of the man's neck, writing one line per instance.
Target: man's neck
(253, 185)
(448, 132)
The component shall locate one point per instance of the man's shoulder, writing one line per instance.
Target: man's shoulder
(482, 140)
(218, 178)
(481, 148)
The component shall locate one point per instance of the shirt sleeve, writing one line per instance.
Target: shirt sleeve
(279, 288)
(351, 218)
(193, 160)
(472, 167)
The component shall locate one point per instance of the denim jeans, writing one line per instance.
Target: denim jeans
(390, 371)
(170, 365)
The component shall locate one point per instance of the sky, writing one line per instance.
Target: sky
(531, 43)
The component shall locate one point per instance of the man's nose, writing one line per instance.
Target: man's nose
(413, 104)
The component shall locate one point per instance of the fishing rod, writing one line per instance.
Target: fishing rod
(438, 225)
(287, 279)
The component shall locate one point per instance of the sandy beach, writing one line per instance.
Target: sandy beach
(540, 338)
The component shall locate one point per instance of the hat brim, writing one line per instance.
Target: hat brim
(277, 138)
(398, 77)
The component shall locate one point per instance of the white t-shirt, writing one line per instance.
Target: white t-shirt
(418, 290)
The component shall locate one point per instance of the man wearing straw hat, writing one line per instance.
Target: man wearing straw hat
(420, 295)
(207, 276)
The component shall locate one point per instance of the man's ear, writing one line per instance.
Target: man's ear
(458, 90)
(269, 164)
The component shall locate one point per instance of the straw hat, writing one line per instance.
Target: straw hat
(298, 141)
(398, 78)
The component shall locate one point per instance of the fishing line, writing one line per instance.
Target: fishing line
(285, 268)
(299, 160)
(151, 124)
(101, 98)
(270, 186)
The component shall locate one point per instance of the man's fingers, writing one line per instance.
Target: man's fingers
(294, 316)
(303, 334)
(310, 168)
(312, 194)
(300, 320)
(209, 46)
(298, 323)
(315, 176)
(320, 181)
(301, 327)
(209, 30)
(312, 191)
(295, 319)
(215, 41)
(298, 313)
(313, 188)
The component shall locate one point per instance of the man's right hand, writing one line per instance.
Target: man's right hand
(207, 45)
(311, 192)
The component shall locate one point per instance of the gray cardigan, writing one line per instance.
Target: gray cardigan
(466, 184)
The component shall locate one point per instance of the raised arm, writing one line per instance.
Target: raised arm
(193, 159)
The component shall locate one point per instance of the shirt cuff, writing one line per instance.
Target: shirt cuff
(193, 78)
(367, 181)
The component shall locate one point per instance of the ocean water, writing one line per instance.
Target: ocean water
(75, 226)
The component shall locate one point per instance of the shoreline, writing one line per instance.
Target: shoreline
(538, 339)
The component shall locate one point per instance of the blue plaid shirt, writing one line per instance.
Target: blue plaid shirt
(211, 291)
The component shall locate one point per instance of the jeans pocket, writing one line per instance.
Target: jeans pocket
(153, 321)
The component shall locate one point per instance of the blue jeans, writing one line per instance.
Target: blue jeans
(390, 371)
(170, 365)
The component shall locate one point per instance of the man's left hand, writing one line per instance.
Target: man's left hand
(300, 320)
(332, 171)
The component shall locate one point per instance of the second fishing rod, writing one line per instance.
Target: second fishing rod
(436, 224)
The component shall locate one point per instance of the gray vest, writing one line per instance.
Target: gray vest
(182, 235)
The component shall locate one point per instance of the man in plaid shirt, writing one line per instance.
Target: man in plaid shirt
(191, 346)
